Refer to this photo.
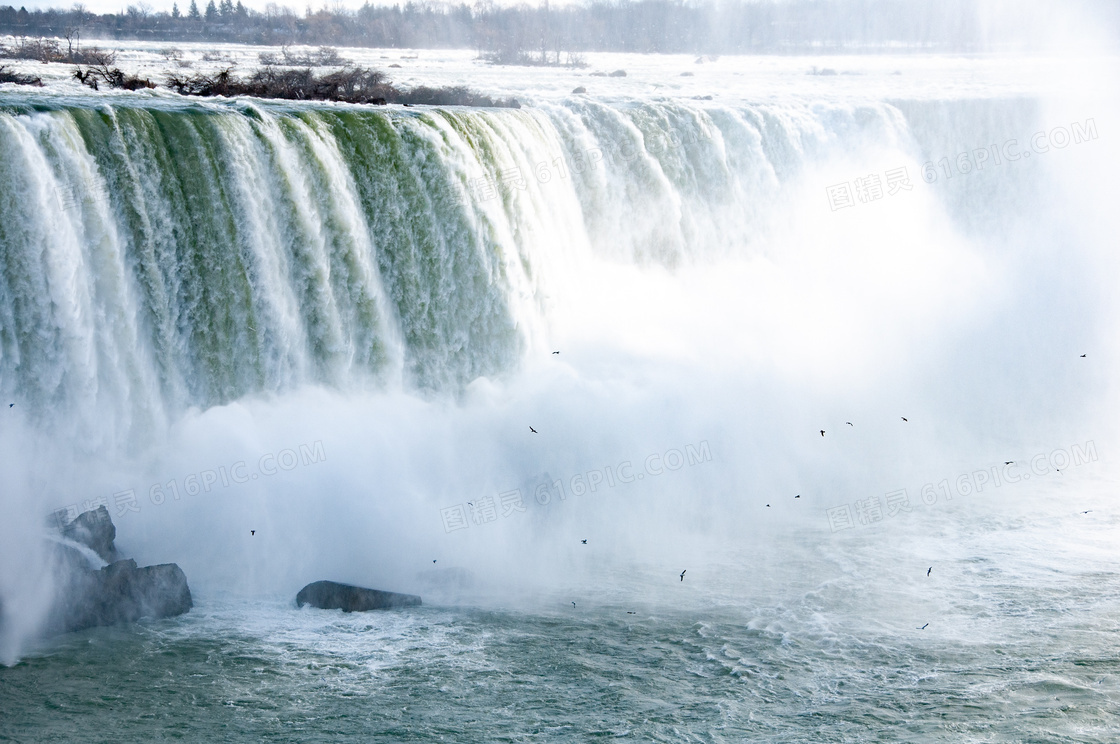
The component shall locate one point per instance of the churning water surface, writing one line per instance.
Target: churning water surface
(820, 346)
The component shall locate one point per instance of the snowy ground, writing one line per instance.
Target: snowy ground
(727, 79)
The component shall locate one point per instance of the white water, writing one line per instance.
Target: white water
(698, 293)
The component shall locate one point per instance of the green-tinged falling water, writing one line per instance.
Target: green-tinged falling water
(161, 259)
(160, 256)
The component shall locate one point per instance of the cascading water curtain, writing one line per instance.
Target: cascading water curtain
(157, 258)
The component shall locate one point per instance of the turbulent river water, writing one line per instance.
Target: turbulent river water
(820, 338)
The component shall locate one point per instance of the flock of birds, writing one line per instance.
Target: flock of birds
(584, 541)
(849, 423)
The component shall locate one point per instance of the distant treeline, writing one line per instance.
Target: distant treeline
(542, 34)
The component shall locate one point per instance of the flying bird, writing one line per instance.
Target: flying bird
(252, 532)
(797, 496)
(1086, 512)
(822, 432)
(11, 405)
(1082, 356)
(1009, 462)
(929, 570)
(628, 612)
(433, 560)
(904, 418)
(532, 430)
(555, 352)
(683, 573)
(573, 604)
(924, 627)
(583, 541)
(767, 506)
(849, 423)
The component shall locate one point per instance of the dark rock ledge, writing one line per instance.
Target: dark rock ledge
(330, 595)
(120, 592)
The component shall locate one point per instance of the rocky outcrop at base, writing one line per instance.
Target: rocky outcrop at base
(330, 595)
(120, 592)
(95, 530)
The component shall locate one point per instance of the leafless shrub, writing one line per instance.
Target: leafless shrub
(352, 85)
(323, 57)
(458, 95)
(91, 56)
(38, 50)
(521, 57)
(349, 85)
(7, 76)
(49, 50)
(575, 60)
(113, 77)
(200, 84)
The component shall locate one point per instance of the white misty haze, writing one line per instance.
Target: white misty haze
(964, 305)
(964, 312)
(764, 397)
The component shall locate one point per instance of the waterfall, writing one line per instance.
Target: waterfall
(161, 256)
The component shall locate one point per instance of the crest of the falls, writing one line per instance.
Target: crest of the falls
(165, 256)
